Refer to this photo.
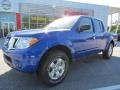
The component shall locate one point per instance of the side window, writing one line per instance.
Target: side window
(102, 26)
(98, 26)
(86, 21)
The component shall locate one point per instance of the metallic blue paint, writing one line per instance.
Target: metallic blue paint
(80, 44)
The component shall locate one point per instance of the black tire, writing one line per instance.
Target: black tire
(106, 53)
(43, 72)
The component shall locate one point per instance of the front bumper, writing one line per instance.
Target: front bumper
(21, 60)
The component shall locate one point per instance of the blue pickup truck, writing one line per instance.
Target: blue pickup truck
(49, 51)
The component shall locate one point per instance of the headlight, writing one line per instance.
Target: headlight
(25, 42)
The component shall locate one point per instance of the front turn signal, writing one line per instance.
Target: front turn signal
(33, 41)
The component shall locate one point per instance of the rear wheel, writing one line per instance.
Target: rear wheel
(108, 53)
(54, 68)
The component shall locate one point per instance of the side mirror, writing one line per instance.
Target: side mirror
(84, 28)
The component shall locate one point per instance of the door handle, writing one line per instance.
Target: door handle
(94, 36)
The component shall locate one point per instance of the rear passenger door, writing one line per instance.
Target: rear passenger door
(100, 34)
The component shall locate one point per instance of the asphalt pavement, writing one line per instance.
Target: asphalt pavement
(87, 73)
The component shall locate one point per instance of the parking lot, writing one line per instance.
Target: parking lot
(92, 72)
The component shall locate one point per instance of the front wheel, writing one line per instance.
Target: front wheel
(54, 68)
(108, 53)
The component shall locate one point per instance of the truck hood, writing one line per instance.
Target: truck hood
(27, 32)
(34, 32)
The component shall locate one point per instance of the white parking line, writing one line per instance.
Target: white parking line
(115, 87)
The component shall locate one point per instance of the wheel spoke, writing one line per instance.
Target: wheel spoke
(57, 74)
(52, 65)
(59, 61)
(51, 74)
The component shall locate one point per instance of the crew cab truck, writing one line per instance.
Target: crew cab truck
(49, 51)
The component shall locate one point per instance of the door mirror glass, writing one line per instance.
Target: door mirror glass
(84, 28)
(85, 24)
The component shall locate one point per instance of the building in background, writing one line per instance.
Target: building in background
(9, 12)
(32, 14)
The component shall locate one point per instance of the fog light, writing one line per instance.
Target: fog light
(18, 64)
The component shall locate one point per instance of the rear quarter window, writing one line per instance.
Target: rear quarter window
(98, 26)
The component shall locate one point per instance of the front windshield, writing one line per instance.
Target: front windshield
(62, 23)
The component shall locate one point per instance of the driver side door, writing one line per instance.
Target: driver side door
(85, 39)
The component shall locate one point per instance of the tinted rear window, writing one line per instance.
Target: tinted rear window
(98, 26)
